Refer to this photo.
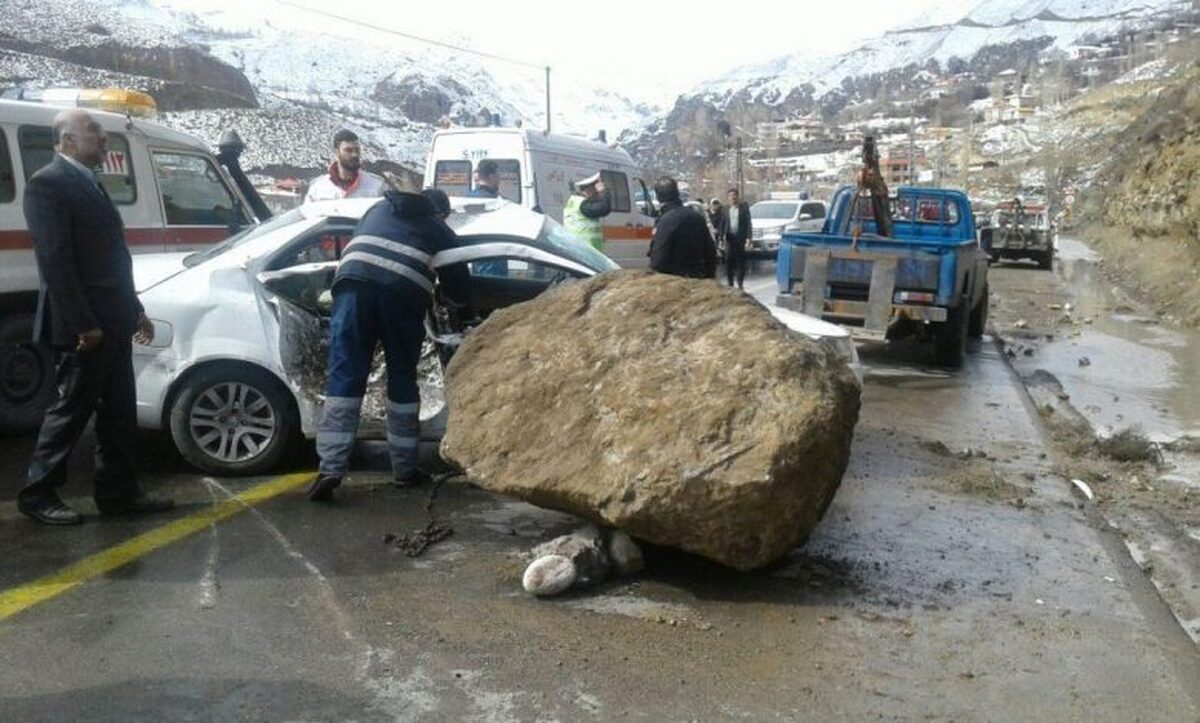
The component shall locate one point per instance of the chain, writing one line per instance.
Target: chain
(415, 543)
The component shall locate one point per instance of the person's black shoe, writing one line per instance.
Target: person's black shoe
(322, 488)
(412, 478)
(140, 504)
(50, 511)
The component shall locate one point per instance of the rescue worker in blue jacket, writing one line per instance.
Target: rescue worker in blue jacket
(382, 291)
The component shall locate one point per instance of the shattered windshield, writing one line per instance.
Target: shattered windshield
(238, 239)
(553, 234)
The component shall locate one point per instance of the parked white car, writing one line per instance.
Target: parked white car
(236, 370)
(772, 218)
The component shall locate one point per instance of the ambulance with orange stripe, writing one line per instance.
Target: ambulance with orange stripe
(537, 171)
(171, 190)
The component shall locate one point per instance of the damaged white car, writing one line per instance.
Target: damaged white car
(236, 370)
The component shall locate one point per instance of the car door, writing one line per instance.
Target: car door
(502, 272)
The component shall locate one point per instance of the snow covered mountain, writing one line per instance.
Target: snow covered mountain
(889, 71)
(940, 34)
(392, 89)
(305, 75)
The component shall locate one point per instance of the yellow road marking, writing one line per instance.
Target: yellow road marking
(26, 596)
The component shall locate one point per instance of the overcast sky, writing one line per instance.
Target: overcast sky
(644, 45)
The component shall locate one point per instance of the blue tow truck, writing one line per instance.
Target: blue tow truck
(927, 279)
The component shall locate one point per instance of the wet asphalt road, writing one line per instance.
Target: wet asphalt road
(936, 587)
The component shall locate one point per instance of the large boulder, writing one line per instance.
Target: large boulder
(677, 410)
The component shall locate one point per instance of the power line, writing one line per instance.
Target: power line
(410, 36)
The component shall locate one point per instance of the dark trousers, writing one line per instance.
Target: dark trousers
(365, 315)
(101, 382)
(735, 262)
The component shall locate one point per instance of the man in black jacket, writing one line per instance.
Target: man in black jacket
(736, 228)
(682, 244)
(382, 292)
(88, 310)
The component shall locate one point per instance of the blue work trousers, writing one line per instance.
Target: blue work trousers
(364, 315)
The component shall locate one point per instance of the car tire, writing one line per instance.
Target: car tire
(26, 375)
(234, 420)
(1046, 261)
(950, 339)
(979, 316)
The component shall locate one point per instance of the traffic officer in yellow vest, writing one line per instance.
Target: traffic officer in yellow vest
(585, 208)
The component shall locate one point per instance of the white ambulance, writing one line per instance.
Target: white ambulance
(172, 193)
(537, 171)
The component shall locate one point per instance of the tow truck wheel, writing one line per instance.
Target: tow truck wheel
(1046, 261)
(950, 339)
(234, 420)
(26, 375)
(979, 316)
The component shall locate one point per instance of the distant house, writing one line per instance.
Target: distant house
(898, 169)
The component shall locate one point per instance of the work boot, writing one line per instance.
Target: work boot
(322, 488)
(412, 478)
(49, 510)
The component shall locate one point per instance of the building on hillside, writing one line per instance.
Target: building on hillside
(898, 169)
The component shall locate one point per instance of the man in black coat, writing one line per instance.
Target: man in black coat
(736, 228)
(682, 245)
(88, 311)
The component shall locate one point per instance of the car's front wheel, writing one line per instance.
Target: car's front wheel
(234, 420)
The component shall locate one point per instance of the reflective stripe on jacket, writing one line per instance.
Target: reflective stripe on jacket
(394, 245)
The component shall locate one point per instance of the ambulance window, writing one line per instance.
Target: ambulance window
(510, 180)
(618, 189)
(115, 174)
(453, 177)
(193, 192)
(8, 182)
(37, 148)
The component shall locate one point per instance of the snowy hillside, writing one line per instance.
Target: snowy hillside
(936, 35)
(307, 74)
(391, 89)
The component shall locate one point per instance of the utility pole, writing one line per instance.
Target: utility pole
(912, 131)
(547, 99)
(966, 154)
(737, 145)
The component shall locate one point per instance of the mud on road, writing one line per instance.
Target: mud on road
(1117, 388)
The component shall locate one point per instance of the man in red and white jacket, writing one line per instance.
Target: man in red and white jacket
(345, 178)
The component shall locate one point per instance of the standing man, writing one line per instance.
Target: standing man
(381, 293)
(345, 178)
(88, 311)
(682, 245)
(736, 230)
(585, 208)
(487, 180)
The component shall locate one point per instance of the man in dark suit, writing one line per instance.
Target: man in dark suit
(682, 245)
(88, 310)
(736, 230)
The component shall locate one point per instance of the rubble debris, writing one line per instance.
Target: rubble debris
(1084, 489)
(549, 575)
(584, 557)
(1129, 445)
(1084, 361)
(675, 409)
(1020, 324)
